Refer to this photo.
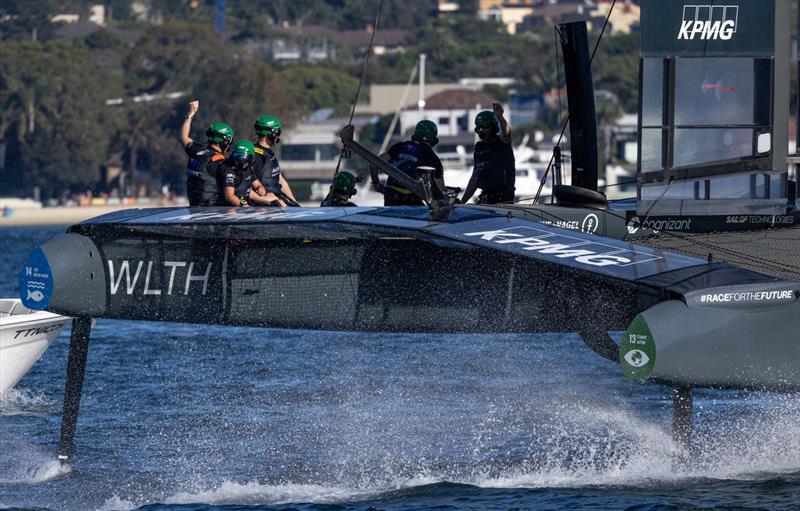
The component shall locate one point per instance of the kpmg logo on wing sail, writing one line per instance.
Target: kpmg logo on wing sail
(709, 22)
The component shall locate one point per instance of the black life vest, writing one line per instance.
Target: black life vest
(267, 168)
(202, 174)
(239, 180)
(495, 167)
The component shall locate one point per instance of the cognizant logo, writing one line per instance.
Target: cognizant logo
(709, 22)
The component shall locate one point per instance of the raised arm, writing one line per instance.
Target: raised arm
(505, 127)
(194, 106)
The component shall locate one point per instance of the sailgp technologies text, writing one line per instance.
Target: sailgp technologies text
(28, 332)
(130, 272)
(760, 219)
(531, 239)
(709, 22)
(747, 296)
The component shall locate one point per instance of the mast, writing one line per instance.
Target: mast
(580, 96)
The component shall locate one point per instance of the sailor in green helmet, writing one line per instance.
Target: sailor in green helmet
(202, 171)
(495, 169)
(239, 186)
(266, 166)
(409, 156)
(344, 187)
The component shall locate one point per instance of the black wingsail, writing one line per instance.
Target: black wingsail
(713, 132)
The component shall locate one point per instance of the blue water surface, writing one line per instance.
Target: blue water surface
(188, 417)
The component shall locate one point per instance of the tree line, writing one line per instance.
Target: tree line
(57, 129)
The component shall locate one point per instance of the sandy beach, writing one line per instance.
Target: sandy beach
(59, 215)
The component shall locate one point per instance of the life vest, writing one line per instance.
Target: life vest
(494, 166)
(202, 174)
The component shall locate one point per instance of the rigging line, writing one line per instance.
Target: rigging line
(621, 183)
(647, 213)
(690, 241)
(400, 106)
(361, 80)
(774, 265)
(566, 121)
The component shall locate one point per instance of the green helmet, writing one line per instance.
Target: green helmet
(344, 183)
(220, 133)
(486, 118)
(243, 154)
(426, 131)
(268, 125)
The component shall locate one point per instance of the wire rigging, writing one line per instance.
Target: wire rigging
(566, 121)
(361, 81)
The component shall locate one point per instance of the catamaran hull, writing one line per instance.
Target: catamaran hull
(396, 270)
(718, 343)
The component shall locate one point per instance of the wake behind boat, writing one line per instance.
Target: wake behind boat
(25, 334)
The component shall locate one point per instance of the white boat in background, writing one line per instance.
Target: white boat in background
(24, 337)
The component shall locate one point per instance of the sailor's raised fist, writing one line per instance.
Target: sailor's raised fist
(194, 106)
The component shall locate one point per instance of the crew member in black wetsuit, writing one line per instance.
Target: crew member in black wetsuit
(202, 171)
(238, 185)
(266, 166)
(495, 171)
(408, 157)
(344, 187)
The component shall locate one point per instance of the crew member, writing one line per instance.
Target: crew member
(344, 187)
(267, 169)
(202, 171)
(238, 185)
(494, 171)
(408, 157)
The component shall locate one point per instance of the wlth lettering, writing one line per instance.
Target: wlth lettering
(204, 279)
(122, 271)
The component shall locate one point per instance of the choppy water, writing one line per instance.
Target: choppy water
(184, 417)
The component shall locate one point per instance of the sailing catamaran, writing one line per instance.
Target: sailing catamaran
(704, 291)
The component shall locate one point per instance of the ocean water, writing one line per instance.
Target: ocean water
(186, 417)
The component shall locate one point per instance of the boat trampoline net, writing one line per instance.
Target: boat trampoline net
(772, 251)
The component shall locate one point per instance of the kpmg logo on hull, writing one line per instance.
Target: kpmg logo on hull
(709, 22)
(562, 246)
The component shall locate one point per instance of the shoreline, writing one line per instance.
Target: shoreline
(69, 215)
(62, 215)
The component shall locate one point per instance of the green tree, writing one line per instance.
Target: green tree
(26, 20)
(56, 122)
(319, 87)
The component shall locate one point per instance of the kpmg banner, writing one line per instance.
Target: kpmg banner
(708, 27)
